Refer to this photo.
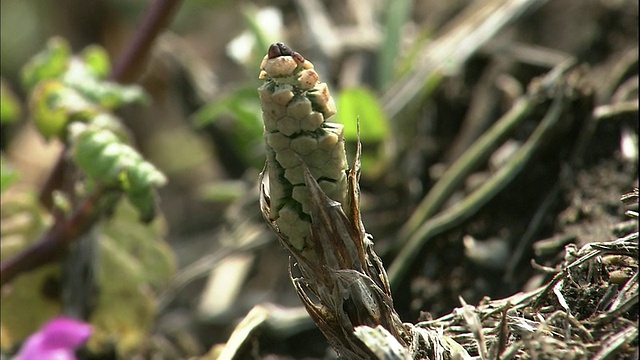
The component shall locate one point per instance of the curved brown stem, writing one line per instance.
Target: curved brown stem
(54, 243)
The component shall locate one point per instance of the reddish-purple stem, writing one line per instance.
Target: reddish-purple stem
(134, 57)
(55, 241)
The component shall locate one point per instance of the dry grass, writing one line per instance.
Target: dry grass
(588, 310)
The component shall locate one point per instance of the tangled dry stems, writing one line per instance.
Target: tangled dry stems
(588, 310)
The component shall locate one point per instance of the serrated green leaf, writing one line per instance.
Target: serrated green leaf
(53, 106)
(144, 175)
(10, 109)
(96, 60)
(89, 145)
(359, 103)
(110, 122)
(112, 163)
(141, 181)
(50, 63)
(8, 175)
(106, 160)
(97, 152)
(81, 77)
(112, 96)
(88, 149)
(107, 94)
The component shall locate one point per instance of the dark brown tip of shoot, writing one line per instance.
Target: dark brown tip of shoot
(280, 49)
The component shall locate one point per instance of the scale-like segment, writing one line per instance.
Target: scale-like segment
(295, 107)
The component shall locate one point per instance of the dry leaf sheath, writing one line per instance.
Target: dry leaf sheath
(310, 199)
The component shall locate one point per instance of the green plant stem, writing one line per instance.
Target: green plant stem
(472, 203)
(54, 243)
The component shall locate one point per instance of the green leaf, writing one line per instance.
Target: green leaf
(50, 63)
(107, 94)
(360, 103)
(96, 60)
(67, 88)
(81, 77)
(143, 176)
(53, 105)
(113, 162)
(8, 175)
(9, 105)
(101, 155)
(108, 121)
(106, 160)
(142, 180)
(89, 145)
(136, 263)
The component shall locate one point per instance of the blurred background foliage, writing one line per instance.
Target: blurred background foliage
(202, 128)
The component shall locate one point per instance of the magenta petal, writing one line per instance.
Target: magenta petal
(65, 333)
(37, 354)
(56, 340)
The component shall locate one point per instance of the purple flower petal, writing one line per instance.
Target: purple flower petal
(66, 333)
(56, 340)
